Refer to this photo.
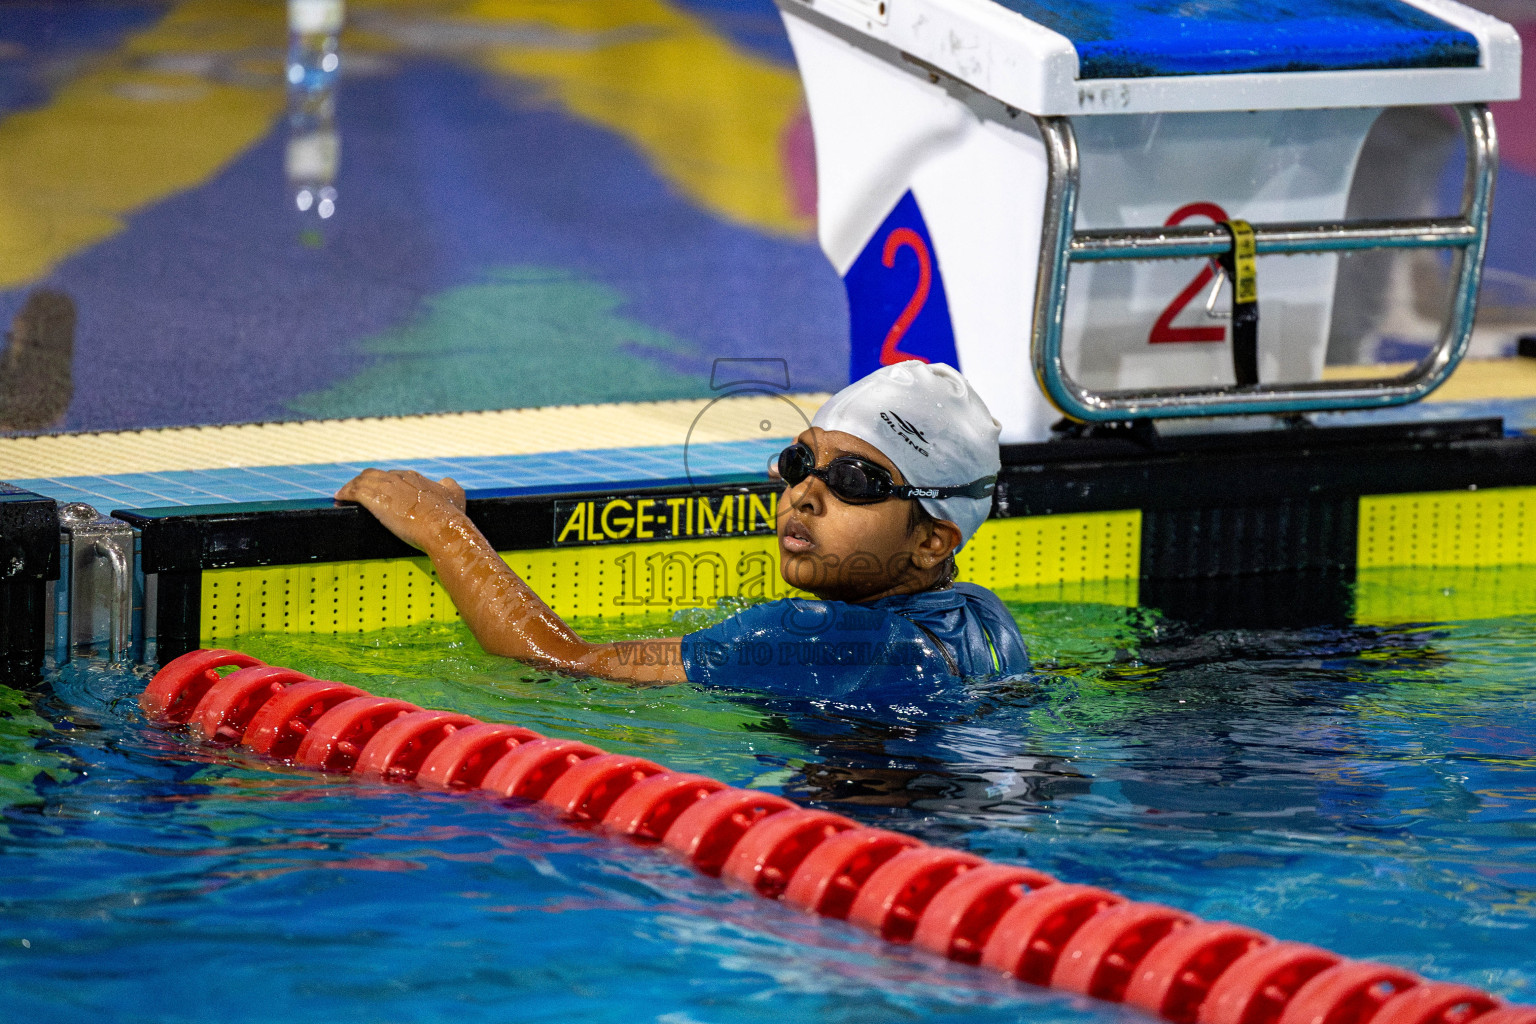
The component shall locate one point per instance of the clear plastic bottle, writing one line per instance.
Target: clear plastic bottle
(314, 147)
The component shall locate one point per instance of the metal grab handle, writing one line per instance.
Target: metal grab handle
(122, 593)
(1061, 244)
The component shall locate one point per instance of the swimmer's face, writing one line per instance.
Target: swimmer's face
(847, 552)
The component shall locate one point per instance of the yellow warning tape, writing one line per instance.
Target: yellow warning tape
(1245, 284)
(1070, 557)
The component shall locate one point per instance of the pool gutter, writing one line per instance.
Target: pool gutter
(1242, 528)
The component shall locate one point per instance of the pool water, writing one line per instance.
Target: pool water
(1368, 789)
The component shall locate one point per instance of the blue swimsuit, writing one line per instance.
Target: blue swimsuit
(896, 648)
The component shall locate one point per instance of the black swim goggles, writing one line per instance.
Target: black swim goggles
(858, 481)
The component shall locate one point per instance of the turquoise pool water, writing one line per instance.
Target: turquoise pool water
(1368, 789)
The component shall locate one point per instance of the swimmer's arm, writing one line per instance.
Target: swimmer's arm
(502, 611)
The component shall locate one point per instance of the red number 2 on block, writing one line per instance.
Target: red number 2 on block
(1164, 331)
(894, 242)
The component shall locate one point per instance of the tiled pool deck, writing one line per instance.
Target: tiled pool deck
(565, 448)
(538, 472)
(528, 450)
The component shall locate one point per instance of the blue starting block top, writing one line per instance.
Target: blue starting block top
(1154, 38)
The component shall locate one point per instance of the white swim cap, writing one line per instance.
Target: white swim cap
(927, 420)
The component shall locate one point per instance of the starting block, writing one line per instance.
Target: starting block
(1085, 204)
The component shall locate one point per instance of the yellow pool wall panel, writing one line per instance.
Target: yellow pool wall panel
(1094, 556)
(1399, 596)
(1033, 551)
(1446, 556)
(1450, 529)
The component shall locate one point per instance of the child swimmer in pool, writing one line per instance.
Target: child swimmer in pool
(893, 476)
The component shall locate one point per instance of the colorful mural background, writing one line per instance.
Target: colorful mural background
(538, 202)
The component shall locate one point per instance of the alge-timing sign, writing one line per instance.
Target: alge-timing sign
(640, 518)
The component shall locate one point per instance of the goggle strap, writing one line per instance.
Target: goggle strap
(980, 488)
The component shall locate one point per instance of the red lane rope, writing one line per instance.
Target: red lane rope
(957, 905)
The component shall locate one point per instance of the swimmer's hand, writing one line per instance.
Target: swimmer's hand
(411, 506)
(505, 615)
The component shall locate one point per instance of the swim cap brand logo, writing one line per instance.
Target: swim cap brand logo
(909, 428)
(906, 431)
